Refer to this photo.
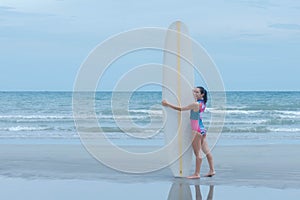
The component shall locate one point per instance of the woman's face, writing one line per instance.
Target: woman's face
(197, 94)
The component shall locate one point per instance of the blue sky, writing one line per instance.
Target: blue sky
(255, 44)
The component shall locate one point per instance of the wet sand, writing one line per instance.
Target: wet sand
(253, 168)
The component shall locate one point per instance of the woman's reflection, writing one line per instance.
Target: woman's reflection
(198, 192)
(182, 191)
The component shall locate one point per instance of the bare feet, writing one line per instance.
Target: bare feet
(194, 176)
(210, 174)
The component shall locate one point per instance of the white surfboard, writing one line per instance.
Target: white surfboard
(177, 89)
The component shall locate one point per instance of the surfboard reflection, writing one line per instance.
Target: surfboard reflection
(182, 191)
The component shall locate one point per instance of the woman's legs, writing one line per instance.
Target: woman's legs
(197, 151)
(209, 157)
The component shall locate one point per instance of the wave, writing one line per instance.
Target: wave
(35, 117)
(129, 118)
(245, 129)
(285, 130)
(51, 118)
(149, 112)
(288, 112)
(143, 113)
(120, 129)
(133, 133)
(248, 121)
(33, 135)
(258, 129)
(25, 128)
(284, 121)
(45, 129)
(245, 112)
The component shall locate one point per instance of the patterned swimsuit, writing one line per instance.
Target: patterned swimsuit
(196, 118)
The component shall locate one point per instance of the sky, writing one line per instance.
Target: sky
(254, 44)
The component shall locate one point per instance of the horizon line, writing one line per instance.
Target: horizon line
(144, 91)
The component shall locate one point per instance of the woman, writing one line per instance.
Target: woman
(198, 130)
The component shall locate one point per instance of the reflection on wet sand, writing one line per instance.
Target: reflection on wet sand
(182, 191)
(209, 195)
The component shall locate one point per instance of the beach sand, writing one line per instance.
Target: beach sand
(69, 171)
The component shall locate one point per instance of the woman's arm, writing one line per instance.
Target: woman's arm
(188, 107)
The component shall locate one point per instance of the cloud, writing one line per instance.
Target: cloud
(286, 26)
(253, 35)
(262, 4)
(4, 9)
(9, 11)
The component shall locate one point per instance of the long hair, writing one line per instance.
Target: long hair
(203, 91)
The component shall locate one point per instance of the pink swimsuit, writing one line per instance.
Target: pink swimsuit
(196, 118)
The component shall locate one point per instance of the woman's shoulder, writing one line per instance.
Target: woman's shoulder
(195, 105)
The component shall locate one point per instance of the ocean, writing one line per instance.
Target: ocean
(253, 117)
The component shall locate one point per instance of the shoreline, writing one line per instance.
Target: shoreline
(272, 166)
(101, 189)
